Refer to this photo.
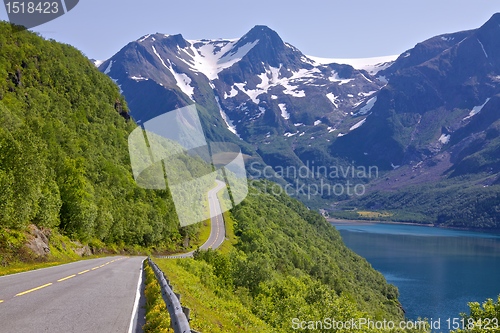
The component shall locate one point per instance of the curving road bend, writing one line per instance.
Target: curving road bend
(217, 230)
(97, 295)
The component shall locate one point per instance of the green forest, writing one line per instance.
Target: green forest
(290, 262)
(64, 161)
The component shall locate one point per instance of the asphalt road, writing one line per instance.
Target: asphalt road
(218, 228)
(96, 295)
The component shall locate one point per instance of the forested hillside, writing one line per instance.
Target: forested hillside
(64, 159)
(287, 262)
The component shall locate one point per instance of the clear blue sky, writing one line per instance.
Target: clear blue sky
(328, 28)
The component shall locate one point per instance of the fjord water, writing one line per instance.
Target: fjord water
(438, 271)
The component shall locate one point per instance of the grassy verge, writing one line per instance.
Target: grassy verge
(16, 257)
(213, 310)
(157, 317)
(203, 234)
(231, 238)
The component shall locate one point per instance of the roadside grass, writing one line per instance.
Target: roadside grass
(157, 316)
(15, 257)
(231, 238)
(213, 308)
(203, 234)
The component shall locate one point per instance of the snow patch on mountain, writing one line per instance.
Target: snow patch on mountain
(271, 78)
(229, 123)
(231, 94)
(367, 79)
(183, 81)
(335, 78)
(139, 78)
(368, 94)
(290, 90)
(382, 79)
(108, 69)
(476, 110)
(212, 57)
(482, 46)
(334, 99)
(444, 138)
(144, 38)
(368, 107)
(98, 63)
(357, 125)
(284, 112)
(371, 65)
(252, 93)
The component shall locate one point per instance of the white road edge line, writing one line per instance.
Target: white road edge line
(135, 310)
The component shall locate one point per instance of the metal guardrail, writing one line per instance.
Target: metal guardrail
(178, 319)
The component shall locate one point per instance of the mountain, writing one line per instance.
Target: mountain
(257, 91)
(426, 116)
(437, 124)
(434, 90)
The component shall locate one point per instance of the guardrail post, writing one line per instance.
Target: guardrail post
(187, 312)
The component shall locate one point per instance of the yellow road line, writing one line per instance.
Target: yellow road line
(1, 301)
(83, 272)
(34, 289)
(66, 278)
(93, 269)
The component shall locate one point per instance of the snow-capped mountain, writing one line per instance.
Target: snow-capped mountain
(257, 88)
(428, 118)
(437, 100)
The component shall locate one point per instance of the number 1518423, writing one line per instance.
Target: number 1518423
(32, 7)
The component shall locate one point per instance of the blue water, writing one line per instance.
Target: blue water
(437, 271)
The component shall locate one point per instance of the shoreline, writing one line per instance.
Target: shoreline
(333, 220)
(344, 221)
